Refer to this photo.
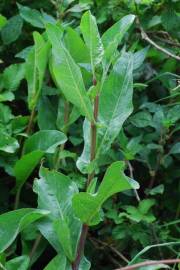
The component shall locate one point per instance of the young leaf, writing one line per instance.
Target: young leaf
(69, 79)
(76, 46)
(116, 32)
(35, 68)
(87, 206)
(55, 192)
(114, 107)
(92, 38)
(45, 140)
(115, 102)
(113, 36)
(11, 223)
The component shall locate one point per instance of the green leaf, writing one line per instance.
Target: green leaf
(3, 21)
(12, 76)
(118, 30)
(92, 39)
(76, 46)
(115, 102)
(62, 228)
(145, 205)
(116, 95)
(18, 263)
(5, 114)
(45, 140)
(87, 206)
(12, 223)
(141, 119)
(25, 166)
(6, 96)
(68, 76)
(46, 117)
(113, 36)
(57, 263)
(175, 149)
(31, 16)
(35, 68)
(60, 262)
(139, 57)
(12, 29)
(8, 144)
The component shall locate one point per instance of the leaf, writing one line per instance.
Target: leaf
(25, 166)
(145, 205)
(59, 262)
(18, 263)
(12, 29)
(141, 119)
(6, 96)
(92, 39)
(68, 76)
(45, 140)
(175, 149)
(139, 57)
(5, 114)
(35, 68)
(12, 223)
(13, 75)
(76, 46)
(46, 117)
(156, 190)
(87, 206)
(61, 228)
(8, 144)
(31, 16)
(116, 95)
(84, 160)
(3, 21)
(113, 36)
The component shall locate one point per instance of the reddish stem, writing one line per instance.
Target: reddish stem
(82, 240)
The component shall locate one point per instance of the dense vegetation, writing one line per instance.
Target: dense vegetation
(89, 134)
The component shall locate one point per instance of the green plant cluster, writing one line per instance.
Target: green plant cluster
(89, 134)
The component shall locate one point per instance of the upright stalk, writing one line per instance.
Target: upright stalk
(82, 240)
(61, 148)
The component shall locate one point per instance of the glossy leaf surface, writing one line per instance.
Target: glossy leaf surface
(11, 223)
(87, 206)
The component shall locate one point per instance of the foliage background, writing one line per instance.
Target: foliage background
(149, 141)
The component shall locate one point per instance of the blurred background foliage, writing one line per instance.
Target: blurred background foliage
(149, 141)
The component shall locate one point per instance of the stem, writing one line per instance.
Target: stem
(82, 240)
(132, 176)
(80, 250)
(93, 137)
(31, 121)
(35, 245)
(147, 263)
(17, 198)
(61, 148)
